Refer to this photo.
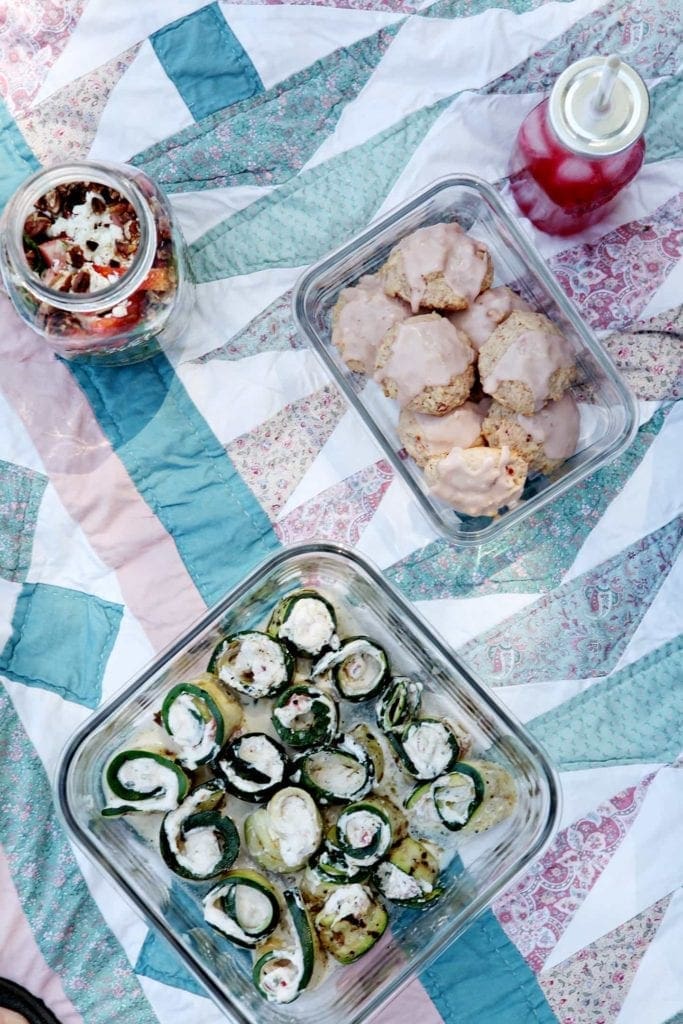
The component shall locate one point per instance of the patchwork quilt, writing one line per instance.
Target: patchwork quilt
(132, 498)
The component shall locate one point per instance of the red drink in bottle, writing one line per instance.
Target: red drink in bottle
(581, 146)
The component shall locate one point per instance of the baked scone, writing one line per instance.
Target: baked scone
(544, 440)
(426, 365)
(425, 437)
(361, 317)
(526, 362)
(488, 310)
(438, 267)
(477, 481)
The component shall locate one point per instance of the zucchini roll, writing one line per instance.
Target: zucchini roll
(427, 748)
(449, 801)
(350, 922)
(305, 716)
(409, 876)
(368, 741)
(201, 717)
(399, 704)
(306, 621)
(285, 967)
(360, 668)
(342, 771)
(252, 663)
(363, 833)
(332, 867)
(144, 780)
(196, 840)
(284, 834)
(499, 800)
(253, 766)
(244, 907)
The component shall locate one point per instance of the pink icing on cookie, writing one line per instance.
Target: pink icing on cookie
(366, 316)
(555, 426)
(475, 481)
(487, 311)
(436, 435)
(532, 358)
(445, 249)
(427, 351)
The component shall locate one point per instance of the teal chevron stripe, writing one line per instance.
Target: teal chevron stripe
(66, 923)
(17, 160)
(61, 640)
(205, 61)
(483, 979)
(634, 717)
(467, 8)
(314, 212)
(531, 557)
(159, 961)
(639, 31)
(21, 492)
(664, 132)
(181, 470)
(266, 139)
(593, 616)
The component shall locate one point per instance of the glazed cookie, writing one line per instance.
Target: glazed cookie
(424, 437)
(526, 362)
(488, 310)
(544, 440)
(361, 317)
(477, 481)
(438, 267)
(426, 365)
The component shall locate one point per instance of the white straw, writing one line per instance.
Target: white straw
(603, 95)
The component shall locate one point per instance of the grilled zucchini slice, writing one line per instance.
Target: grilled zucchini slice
(339, 772)
(244, 907)
(363, 833)
(143, 780)
(305, 716)
(285, 834)
(196, 840)
(499, 799)
(399, 704)
(350, 922)
(360, 668)
(428, 747)
(306, 621)
(284, 970)
(409, 876)
(253, 766)
(253, 663)
(200, 716)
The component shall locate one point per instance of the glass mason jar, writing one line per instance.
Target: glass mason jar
(580, 146)
(93, 261)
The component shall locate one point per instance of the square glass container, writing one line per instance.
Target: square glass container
(484, 864)
(607, 407)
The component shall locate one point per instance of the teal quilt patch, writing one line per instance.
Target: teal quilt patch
(634, 717)
(483, 973)
(157, 960)
(581, 629)
(68, 927)
(61, 641)
(268, 138)
(17, 161)
(315, 211)
(181, 470)
(21, 491)
(205, 61)
(664, 131)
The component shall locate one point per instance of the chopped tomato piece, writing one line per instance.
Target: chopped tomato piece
(109, 324)
(107, 271)
(158, 280)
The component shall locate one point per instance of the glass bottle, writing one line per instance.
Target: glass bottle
(580, 146)
(93, 261)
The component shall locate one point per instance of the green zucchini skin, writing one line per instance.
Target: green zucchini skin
(369, 742)
(217, 709)
(409, 876)
(428, 802)
(399, 705)
(319, 716)
(138, 802)
(408, 756)
(203, 812)
(499, 800)
(223, 899)
(282, 624)
(296, 965)
(260, 684)
(242, 777)
(351, 922)
(371, 824)
(356, 655)
(347, 752)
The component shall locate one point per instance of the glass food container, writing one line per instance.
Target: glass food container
(581, 146)
(606, 406)
(483, 865)
(93, 261)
